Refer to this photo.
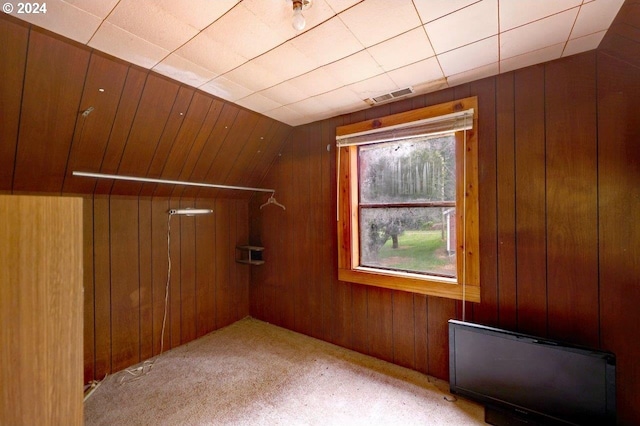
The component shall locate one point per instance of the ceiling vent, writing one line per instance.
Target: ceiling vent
(386, 97)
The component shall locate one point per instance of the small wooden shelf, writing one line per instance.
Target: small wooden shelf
(250, 255)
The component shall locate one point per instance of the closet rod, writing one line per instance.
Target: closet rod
(170, 182)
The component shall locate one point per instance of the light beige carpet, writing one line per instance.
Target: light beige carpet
(254, 373)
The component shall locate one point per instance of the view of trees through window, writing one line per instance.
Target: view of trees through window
(407, 194)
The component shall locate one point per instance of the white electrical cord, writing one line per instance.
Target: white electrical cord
(147, 366)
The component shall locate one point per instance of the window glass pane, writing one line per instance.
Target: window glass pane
(416, 239)
(416, 170)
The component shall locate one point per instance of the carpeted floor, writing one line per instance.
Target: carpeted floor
(254, 373)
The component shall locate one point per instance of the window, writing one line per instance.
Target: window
(408, 201)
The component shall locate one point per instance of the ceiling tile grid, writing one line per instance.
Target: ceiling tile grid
(247, 52)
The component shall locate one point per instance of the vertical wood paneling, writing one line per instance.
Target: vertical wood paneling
(224, 122)
(487, 312)
(46, 128)
(121, 126)
(13, 51)
(125, 287)
(359, 331)
(102, 283)
(403, 329)
(421, 331)
(530, 172)
(155, 105)
(619, 233)
(380, 322)
(242, 271)
(205, 270)
(505, 197)
(224, 296)
(287, 288)
(126, 242)
(169, 133)
(439, 311)
(159, 261)
(195, 151)
(187, 274)
(145, 240)
(92, 132)
(572, 217)
(174, 326)
(181, 145)
(328, 240)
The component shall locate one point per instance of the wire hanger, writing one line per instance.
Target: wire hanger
(272, 200)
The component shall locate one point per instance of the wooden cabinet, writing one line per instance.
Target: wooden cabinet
(41, 362)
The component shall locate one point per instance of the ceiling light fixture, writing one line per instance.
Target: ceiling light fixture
(298, 22)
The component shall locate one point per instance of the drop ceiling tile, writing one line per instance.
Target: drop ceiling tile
(124, 45)
(469, 57)
(374, 86)
(287, 115)
(530, 58)
(310, 107)
(473, 74)
(65, 19)
(417, 74)
(595, 16)
(147, 20)
(471, 24)
(197, 13)
(315, 82)
(434, 9)
(285, 93)
(245, 33)
(332, 33)
(97, 8)
(537, 35)
(297, 62)
(226, 89)
(342, 100)
(253, 77)
(211, 54)
(582, 44)
(178, 68)
(354, 68)
(258, 103)
(374, 21)
(393, 53)
(339, 5)
(520, 12)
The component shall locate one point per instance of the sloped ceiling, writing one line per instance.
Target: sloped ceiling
(247, 52)
(68, 108)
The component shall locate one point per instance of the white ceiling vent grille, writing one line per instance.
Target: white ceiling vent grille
(389, 96)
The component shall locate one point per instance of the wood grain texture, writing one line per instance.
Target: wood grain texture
(505, 195)
(41, 310)
(572, 197)
(618, 230)
(125, 290)
(13, 51)
(92, 132)
(130, 269)
(530, 200)
(46, 128)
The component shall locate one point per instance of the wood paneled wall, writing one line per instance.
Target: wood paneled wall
(140, 124)
(559, 167)
(126, 268)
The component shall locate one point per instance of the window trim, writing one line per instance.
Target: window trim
(348, 236)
